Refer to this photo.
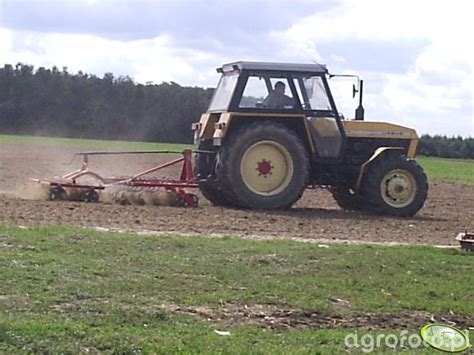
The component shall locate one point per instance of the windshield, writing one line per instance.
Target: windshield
(316, 97)
(223, 94)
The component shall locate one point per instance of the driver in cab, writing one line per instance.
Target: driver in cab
(277, 98)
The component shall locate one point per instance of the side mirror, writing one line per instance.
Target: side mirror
(354, 91)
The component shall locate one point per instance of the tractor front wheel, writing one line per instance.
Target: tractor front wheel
(395, 186)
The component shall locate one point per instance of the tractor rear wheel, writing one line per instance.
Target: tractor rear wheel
(395, 186)
(204, 164)
(211, 190)
(263, 166)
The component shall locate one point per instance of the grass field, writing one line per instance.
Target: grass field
(70, 290)
(438, 169)
(450, 170)
(97, 143)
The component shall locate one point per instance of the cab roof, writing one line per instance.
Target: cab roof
(273, 66)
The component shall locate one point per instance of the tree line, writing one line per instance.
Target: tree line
(53, 102)
(446, 147)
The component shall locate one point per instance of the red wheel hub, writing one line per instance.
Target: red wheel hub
(264, 167)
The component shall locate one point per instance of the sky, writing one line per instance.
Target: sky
(415, 56)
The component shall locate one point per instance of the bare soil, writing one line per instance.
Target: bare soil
(448, 211)
(275, 318)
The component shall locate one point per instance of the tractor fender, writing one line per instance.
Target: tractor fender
(377, 154)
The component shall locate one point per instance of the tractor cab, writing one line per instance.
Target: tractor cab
(283, 90)
(248, 86)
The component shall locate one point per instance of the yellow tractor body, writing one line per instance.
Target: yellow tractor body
(272, 130)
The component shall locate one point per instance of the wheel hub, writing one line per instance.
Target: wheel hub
(398, 188)
(264, 168)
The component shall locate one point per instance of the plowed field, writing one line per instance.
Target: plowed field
(448, 210)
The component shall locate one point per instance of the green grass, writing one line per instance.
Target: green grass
(450, 170)
(68, 290)
(165, 334)
(109, 144)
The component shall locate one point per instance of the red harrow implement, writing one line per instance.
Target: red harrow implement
(60, 187)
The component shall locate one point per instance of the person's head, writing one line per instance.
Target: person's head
(279, 88)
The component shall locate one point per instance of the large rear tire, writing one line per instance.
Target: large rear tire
(263, 166)
(204, 166)
(211, 190)
(395, 186)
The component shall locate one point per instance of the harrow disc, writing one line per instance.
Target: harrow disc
(91, 196)
(126, 195)
(56, 193)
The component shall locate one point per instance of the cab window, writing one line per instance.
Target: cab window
(223, 94)
(313, 93)
(267, 93)
(254, 93)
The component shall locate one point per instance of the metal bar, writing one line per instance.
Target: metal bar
(163, 183)
(87, 172)
(156, 168)
(86, 154)
(67, 176)
(201, 151)
(187, 169)
(129, 152)
(77, 186)
(67, 184)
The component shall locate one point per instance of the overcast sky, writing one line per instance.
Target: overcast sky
(416, 56)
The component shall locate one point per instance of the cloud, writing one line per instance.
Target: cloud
(192, 22)
(192, 35)
(415, 56)
(145, 60)
(365, 55)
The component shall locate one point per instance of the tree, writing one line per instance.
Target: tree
(55, 102)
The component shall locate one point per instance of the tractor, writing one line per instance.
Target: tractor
(272, 130)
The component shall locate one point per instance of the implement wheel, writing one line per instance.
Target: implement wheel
(56, 193)
(91, 196)
(263, 166)
(395, 186)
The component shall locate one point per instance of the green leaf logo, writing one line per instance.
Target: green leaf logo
(445, 338)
